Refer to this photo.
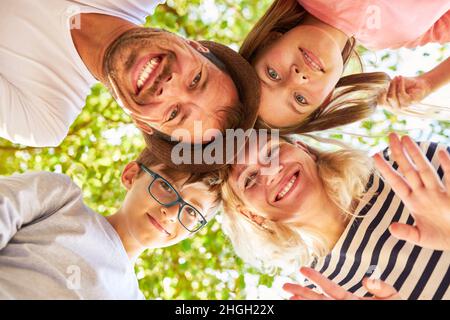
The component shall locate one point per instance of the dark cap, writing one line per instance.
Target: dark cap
(247, 83)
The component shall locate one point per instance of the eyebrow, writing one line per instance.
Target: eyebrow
(239, 178)
(205, 76)
(183, 119)
(240, 171)
(196, 204)
(172, 181)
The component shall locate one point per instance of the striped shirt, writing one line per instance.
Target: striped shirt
(367, 249)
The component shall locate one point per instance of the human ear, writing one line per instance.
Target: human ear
(197, 46)
(129, 174)
(252, 216)
(145, 127)
(306, 149)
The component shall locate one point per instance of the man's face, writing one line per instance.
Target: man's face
(153, 225)
(165, 83)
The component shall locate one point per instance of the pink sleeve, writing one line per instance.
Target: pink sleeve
(342, 14)
(439, 32)
(401, 23)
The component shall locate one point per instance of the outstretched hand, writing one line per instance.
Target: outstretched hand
(331, 291)
(419, 187)
(404, 92)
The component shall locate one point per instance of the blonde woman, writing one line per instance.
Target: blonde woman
(334, 212)
(299, 49)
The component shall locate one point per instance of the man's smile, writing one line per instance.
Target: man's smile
(146, 71)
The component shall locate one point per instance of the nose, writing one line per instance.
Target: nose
(272, 173)
(298, 75)
(165, 86)
(170, 213)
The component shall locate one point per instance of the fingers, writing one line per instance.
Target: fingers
(302, 293)
(380, 289)
(391, 96)
(402, 97)
(395, 180)
(426, 171)
(382, 98)
(296, 298)
(403, 92)
(405, 232)
(328, 287)
(444, 160)
(405, 165)
(416, 169)
(413, 164)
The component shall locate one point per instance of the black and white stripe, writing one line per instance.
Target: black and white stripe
(367, 248)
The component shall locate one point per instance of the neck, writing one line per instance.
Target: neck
(132, 246)
(338, 35)
(328, 220)
(93, 38)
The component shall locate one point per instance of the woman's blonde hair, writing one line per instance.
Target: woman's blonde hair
(355, 96)
(275, 245)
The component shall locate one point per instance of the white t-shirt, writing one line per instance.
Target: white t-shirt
(43, 80)
(52, 246)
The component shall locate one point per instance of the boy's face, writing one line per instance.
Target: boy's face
(151, 224)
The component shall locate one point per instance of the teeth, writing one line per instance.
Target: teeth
(288, 187)
(147, 71)
(315, 65)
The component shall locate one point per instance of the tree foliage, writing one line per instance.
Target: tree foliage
(103, 140)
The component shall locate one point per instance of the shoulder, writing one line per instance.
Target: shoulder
(43, 176)
(43, 181)
(59, 180)
(430, 148)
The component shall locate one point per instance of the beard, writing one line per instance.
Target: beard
(129, 45)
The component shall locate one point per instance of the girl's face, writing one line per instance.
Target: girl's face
(298, 71)
(288, 192)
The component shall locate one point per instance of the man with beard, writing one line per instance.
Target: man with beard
(53, 51)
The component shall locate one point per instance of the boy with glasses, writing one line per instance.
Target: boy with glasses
(52, 246)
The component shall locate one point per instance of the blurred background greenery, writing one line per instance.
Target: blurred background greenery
(103, 140)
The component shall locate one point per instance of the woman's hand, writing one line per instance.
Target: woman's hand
(422, 192)
(331, 291)
(404, 92)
